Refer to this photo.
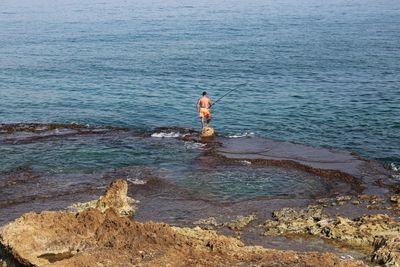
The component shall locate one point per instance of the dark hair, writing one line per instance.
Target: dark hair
(205, 92)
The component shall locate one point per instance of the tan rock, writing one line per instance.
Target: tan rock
(395, 199)
(114, 197)
(207, 132)
(360, 233)
(387, 252)
(240, 222)
(101, 237)
(93, 238)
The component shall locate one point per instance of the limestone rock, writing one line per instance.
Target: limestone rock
(208, 223)
(93, 238)
(114, 197)
(387, 252)
(362, 232)
(395, 199)
(207, 132)
(240, 222)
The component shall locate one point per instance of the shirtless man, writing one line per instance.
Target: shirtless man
(202, 106)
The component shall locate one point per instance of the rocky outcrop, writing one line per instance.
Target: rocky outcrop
(387, 251)
(100, 236)
(114, 197)
(238, 224)
(93, 238)
(207, 132)
(395, 199)
(364, 232)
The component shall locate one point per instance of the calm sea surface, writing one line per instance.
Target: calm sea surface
(323, 73)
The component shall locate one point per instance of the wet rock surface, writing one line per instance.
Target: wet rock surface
(377, 233)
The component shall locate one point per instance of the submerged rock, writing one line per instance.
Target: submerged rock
(114, 197)
(362, 232)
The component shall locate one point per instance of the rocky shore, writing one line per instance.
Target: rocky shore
(100, 234)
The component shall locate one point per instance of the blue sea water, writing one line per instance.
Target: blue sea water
(324, 73)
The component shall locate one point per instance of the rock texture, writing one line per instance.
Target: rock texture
(240, 222)
(379, 232)
(114, 197)
(207, 132)
(93, 238)
(100, 236)
(387, 251)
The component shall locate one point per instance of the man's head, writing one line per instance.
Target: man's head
(204, 93)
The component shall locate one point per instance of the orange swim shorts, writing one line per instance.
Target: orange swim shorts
(205, 112)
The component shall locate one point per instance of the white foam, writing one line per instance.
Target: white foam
(192, 145)
(166, 135)
(394, 167)
(239, 135)
(136, 181)
(396, 176)
(246, 162)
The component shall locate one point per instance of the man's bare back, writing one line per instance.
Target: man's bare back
(202, 107)
(204, 102)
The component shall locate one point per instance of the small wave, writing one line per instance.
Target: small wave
(166, 135)
(245, 134)
(192, 145)
(394, 167)
(245, 162)
(136, 181)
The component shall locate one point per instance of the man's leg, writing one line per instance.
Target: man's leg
(202, 122)
(208, 121)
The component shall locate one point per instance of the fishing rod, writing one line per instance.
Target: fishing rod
(223, 97)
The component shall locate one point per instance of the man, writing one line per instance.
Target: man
(202, 106)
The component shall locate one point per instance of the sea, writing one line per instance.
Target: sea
(95, 90)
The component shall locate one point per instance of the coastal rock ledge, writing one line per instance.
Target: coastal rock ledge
(94, 237)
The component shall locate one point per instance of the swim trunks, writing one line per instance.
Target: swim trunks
(204, 112)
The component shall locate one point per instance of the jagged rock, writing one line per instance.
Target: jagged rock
(343, 198)
(361, 232)
(114, 197)
(93, 238)
(395, 199)
(240, 222)
(387, 252)
(208, 223)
